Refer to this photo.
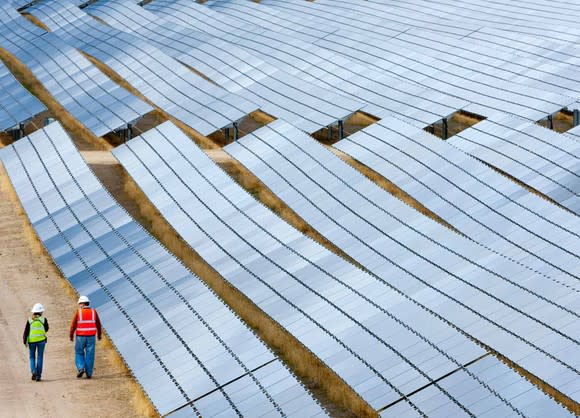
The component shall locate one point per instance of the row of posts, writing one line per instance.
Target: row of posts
(340, 131)
(227, 132)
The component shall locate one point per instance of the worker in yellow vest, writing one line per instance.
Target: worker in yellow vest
(85, 325)
(34, 337)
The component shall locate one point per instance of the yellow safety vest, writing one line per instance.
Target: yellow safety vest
(37, 332)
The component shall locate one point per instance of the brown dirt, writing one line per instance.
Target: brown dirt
(354, 123)
(456, 123)
(562, 121)
(27, 276)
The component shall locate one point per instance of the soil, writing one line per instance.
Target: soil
(27, 276)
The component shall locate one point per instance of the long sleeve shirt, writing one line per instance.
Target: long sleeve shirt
(27, 330)
(73, 325)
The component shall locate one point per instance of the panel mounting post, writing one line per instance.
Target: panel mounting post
(226, 135)
(340, 130)
(550, 122)
(444, 129)
(576, 117)
(236, 133)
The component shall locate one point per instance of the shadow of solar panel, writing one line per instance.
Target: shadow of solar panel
(181, 342)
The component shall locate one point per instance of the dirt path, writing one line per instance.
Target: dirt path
(28, 276)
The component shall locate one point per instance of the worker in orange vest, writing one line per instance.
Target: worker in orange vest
(85, 324)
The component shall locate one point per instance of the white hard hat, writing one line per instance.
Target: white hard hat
(37, 308)
(84, 299)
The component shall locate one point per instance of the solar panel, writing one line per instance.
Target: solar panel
(85, 92)
(543, 159)
(164, 81)
(307, 106)
(355, 324)
(383, 94)
(158, 314)
(491, 299)
(478, 201)
(17, 105)
(487, 94)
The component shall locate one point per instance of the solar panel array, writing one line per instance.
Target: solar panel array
(77, 84)
(383, 94)
(542, 159)
(17, 105)
(307, 106)
(188, 351)
(495, 301)
(471, 196)
(165, 82)
(386, 56)
(359, 325)
(423, 318)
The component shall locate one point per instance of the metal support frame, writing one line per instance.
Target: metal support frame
(444, 128)
(226, 135)
(550, 122)
(576, 117)
(329, 133)
(129, 131)
(236, 131)
(340, 129)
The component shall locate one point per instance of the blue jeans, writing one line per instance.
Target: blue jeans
(85, 353)
(36, 351)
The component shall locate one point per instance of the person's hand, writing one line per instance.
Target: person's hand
(71, 338)
(99, 338)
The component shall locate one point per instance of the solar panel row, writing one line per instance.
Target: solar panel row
(474, 198)
(338, 312)
(495, 301)
(165, 82)
(186, 349)
(17, 105)
(86, 93)
(307, 106)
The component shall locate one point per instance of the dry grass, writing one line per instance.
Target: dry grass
(562, 121)
(250, 123)
(316, 375)
(37, 22)
(354, 123)
(392, 188)
(83, 138)
(457, 122)
(140, 400)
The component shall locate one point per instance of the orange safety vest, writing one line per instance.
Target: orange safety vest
(86, 323)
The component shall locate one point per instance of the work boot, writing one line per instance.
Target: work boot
(38, 379)
(89, 376)
(80, 374)
(33, 377)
